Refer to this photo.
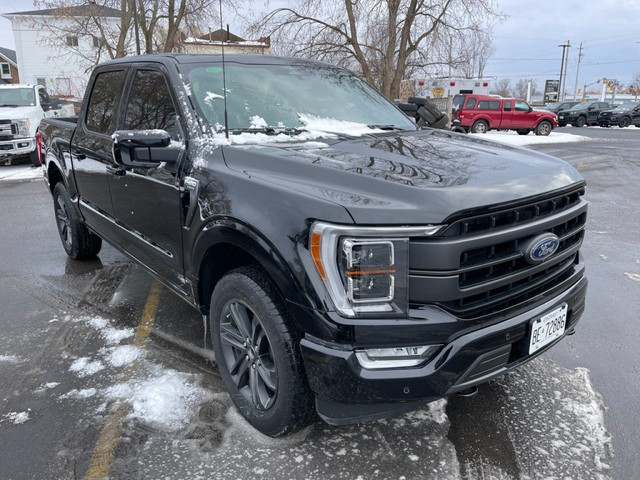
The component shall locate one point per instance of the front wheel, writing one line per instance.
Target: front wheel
(78, 241)
(479, 126)
(624, 122)
(544, 128)
(258, 354)
(580, 121)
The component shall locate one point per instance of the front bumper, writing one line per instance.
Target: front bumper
(347, 393)
(608, 122)
(566, 119)
(17, 147)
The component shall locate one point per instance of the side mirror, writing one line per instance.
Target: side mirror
(131, 148)
(45, 106)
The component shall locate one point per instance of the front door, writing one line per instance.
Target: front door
(523, 116)
(146, 201)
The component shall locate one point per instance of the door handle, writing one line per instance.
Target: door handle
(116, 171)
(79, 155)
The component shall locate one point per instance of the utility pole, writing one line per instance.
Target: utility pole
(563, 70)
(575, 87)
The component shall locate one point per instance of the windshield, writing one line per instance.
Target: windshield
(581, 106)
(288, 96)
(624, 107)
(17, 97)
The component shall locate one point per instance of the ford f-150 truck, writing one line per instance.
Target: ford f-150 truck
(21, 109)
(346, 262)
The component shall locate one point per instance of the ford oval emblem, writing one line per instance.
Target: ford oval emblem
(541, 248)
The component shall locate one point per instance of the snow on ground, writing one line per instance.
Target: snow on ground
(85, 367)
(161, 398)
(512, 138)
(633, 276)
(9, 359)
(17, 417)
(19, 172)
(122, 355)
(79, 394)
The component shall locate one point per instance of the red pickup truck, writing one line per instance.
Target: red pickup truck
(481, 113)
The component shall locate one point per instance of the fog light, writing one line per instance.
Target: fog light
(395, 357)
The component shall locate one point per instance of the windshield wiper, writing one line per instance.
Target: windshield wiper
(385, 127)
(269, 130)
(8, 105)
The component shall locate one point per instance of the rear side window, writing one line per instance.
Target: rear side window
(507, 105)
(488, 105)
(150, 105)
(103, 102)
(458, 100)
(471, 103)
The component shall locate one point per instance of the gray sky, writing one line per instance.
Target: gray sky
(526, 42)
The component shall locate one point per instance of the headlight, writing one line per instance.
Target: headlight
(365, 270)
(23, 127)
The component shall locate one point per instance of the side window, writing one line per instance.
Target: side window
(471, 103)
(103, 101)
(483, 105)
(522, 106)
(44, 97)
(150, 105)
(507, 105)
(494, 105)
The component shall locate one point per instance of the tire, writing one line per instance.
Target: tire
(580, 122)
(441, 123)
(264, 377)
(421, 122)
(408, 108)
(544, 128)
(479, 126)
(33, 156)
(417, 101)
(523, 131)
(77, 240)
(428, 117)
(624, 122)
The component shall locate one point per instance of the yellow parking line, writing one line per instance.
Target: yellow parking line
(109, 437)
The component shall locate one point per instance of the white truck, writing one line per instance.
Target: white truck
(21, 109)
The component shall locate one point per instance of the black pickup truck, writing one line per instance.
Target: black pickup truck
(347, 262)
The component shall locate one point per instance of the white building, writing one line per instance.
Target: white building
(58, 47)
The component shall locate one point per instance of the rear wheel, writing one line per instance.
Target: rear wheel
(480, 126)
(78, 241)
(544, 128)
(33, 156)
(624, 122)
(523, 131)
(258, 354)
(580, 121)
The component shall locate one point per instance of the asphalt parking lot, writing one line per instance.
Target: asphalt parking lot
(78, 338)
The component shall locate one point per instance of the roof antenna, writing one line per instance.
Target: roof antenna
(224, 77)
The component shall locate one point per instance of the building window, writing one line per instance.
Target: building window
(97, 42)
(6, 70)
(71, 41)
(41, 81)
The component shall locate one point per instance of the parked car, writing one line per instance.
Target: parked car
(346, 262)
(481, 113)
(621, 116)
(582, 114)
(21, 109)
(559, 106)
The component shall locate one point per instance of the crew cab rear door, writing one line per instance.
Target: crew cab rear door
(91, 147)
(507, 114)
(146, 192)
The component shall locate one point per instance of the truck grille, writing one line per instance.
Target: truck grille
(7, 130)
(474, 271)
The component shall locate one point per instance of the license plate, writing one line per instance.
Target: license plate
(561, 117)
(546, 329)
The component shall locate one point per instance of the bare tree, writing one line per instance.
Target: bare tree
(502, 87)
(520, 90)
(473, 49)
(383, 40)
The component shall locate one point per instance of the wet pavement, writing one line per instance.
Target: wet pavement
(71, 349)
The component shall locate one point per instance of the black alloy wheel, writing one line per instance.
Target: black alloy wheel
(64, 224)
(624, 122)
(248, 355)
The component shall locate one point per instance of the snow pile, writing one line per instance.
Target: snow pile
(80, 394)
(258, 122)
(17, 417)
(122, 355)
(20, 172)
(85, 367)
(512, 138)
(167, 399)
(111, 334)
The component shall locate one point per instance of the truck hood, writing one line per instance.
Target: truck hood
(406, 177)
(16, 113)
